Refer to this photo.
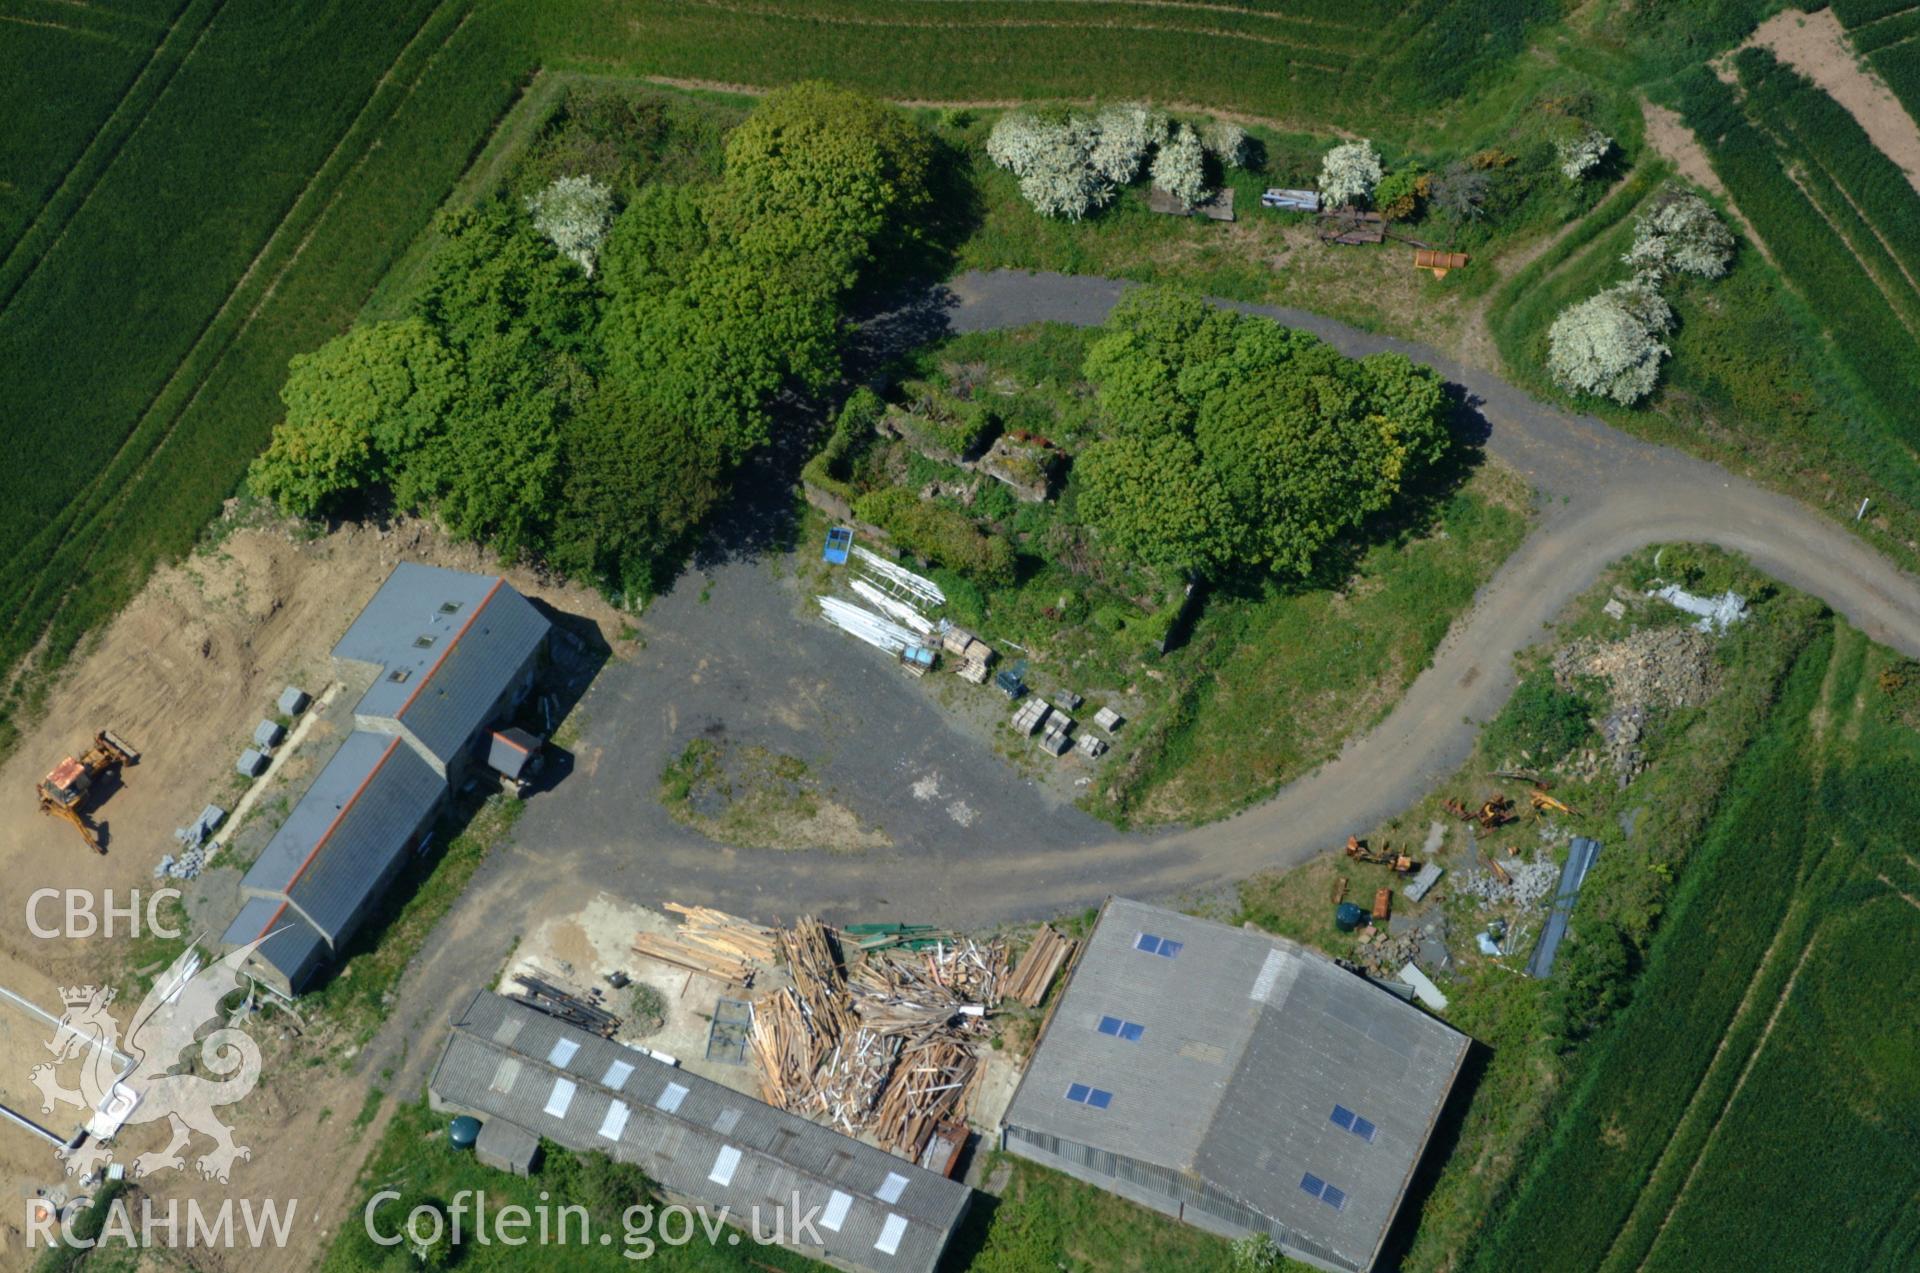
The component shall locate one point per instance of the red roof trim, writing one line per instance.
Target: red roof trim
(339, 817)
(457, 638)
(509, 742)
(271, 921)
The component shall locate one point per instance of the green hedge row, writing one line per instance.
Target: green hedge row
(1853, 13)
(1568, 1203)
(1867, 335)
(1830, 137)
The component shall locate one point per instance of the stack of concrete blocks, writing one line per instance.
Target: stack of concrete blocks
(1027, 717)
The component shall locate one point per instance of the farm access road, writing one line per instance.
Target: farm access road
(729, 647)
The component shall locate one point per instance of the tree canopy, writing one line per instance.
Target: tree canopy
(593, 415)
(1235, 443)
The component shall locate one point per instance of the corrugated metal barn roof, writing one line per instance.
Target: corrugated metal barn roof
(1246, 1062)
(447, 643)
(699, 1139)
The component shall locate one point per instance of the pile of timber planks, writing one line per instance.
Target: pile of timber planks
(933, 1083)
(711, 943)
(1041, 963)
(729, 934)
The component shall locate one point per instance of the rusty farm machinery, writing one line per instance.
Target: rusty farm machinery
(67, 790)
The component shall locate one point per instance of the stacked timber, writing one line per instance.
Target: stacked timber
(729, 934)
(887, 1047)
(713, 944)
(1038, 967)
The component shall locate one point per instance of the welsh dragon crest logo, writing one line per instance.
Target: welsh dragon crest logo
(185, 999)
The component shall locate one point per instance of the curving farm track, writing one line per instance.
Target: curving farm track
(1604, 495)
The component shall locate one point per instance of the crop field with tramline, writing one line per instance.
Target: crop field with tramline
(1758, 1079)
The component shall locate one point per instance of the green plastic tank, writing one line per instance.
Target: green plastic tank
(463, 1131)
(1347, 917)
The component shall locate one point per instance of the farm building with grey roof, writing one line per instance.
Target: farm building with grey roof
(700, 1141)
(434, 659)
(1236, 1081)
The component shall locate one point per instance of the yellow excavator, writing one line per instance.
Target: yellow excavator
(63, 792)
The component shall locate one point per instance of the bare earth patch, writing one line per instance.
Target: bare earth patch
(759, 799)
(1816, 45)
(1669, 136)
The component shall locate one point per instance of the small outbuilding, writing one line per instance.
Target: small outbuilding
(251, 764)
(293, 700)
(513, 753)
(505, 1147)
(267, 735)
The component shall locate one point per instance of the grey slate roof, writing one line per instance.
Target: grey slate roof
(504, 1060)
(356, 820)
(510, 750)
(294, 952)
(1249, 1042)
(455, 641)
(1581, 855)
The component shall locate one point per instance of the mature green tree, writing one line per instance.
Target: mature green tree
(825, 173)
(1155, 501)
(1236, 442)
(357, 407)
(496, 276)
(654, 242)
(637, 483)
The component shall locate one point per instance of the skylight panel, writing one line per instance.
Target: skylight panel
(839, 1203)
(1348, 1121)
(724, 1164)
(615, 1122)
(1315, 1187)
(888, 1243)
(1083, 1094)
(563, 1051)
(1119, 1029)
(670, 1099)
(1164, 947)
(892, 1187)
(617, 1075)
(560, 1098)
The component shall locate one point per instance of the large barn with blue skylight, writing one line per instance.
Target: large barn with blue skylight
(1238, 1082)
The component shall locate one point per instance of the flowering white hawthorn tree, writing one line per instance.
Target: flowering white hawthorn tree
(574, 213)
(1122, 137)
(1349, 173)
(1680, 233)
(1609, 345)
(1227, 140)
(1052, 158)
(1179, 166)
(1581, 153)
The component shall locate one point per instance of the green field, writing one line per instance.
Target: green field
(1757, 1076)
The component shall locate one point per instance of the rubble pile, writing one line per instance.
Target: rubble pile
(1532, 883)
(1647, 670)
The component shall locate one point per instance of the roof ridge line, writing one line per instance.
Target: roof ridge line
(499, 581)
(339, 817)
